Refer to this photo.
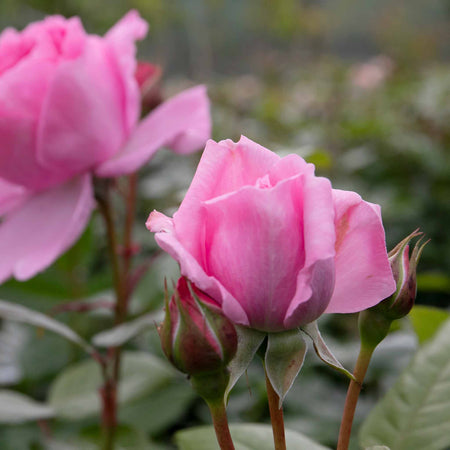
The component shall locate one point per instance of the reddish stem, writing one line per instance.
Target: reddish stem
(353, 392)
(220, 421)
(276, 416)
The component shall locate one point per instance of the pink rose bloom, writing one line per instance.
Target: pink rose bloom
(69, 109)
(272, 243)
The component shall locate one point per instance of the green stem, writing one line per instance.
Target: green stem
(220, 421)
(362, 363)
(276, 416)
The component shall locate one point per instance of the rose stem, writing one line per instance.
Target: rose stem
(362, 363)
(129, 220)
(109, 390)
(276, 416)
(220, 421)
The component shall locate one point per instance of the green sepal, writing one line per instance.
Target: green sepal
(211, 386)
(249, 341)
(283, 360)
(322, 350)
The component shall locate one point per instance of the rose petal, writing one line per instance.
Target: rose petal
(84, 97)
(158, 222)
(363, 273)
(224, 167)
(191, 269)
(11, 196)
(122, 37)
(185, 114)
(253, 243)
(32, 237)
(22, 90)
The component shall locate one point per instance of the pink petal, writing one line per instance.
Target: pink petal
(186, 114)
(224, 167)
(253, 244)
(22, 90)
(289, 166)
(363, 273)
(314, 289)
(82, 122)
(11, 196)
(122, 37)
(191, 269)
(316, 280)
(158, 222)
(32, 237)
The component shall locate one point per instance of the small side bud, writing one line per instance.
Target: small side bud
(374, 323)
(148, 77)
(404, 267)
(198, 339)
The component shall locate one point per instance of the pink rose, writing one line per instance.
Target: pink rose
(69, 109)
(275, 245)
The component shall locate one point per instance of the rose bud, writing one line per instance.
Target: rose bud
(374, 323)
(404, 270)
(148, 77)
(195, 336)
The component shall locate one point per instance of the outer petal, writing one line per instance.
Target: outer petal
(191, 269)
(224, 167)
(186, 114)
(316, 280)
(22, 90)
(83, 119)
(122, 37)
(11, 196)
(363, 273)
(32, 237)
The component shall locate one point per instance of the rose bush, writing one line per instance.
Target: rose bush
(69, 109)
(272, 243)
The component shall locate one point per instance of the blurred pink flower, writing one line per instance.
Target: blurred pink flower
(371, 74)
(272, 243)
(69, 109)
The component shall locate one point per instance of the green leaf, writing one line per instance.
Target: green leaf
(126, 438)
(19, 313)
(245, 437)
(74, 394)
(160, 410)
(377, 447)
(117, 336)
(426, 320)
(283, 360)
(415, 413)
(18, 408)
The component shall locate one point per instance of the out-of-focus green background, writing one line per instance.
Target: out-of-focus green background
(360, 88)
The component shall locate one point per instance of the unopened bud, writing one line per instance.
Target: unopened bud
(195, 336)
(374, 323)
(148, 77)
(404, 267)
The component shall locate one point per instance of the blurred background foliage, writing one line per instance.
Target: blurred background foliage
(361, 89)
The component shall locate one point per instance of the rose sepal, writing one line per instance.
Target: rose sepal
(249, 341)
(322, 350)
(283, 360)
